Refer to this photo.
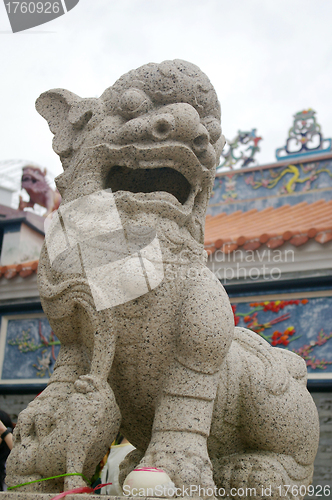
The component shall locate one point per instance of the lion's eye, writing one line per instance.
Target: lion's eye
(133, 102)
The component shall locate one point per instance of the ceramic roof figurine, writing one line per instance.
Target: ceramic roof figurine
(35, 183)
(148, 343)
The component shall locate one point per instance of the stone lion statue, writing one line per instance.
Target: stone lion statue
(148, 343)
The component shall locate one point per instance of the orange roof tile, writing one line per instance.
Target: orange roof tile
(249, 230)
(24, 269)
(272, 226)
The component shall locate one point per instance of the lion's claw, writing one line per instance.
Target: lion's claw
(178, 457)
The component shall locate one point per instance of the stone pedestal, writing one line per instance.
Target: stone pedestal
(9, 495)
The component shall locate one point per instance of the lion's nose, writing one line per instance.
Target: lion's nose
(162, 126)
(181, 122)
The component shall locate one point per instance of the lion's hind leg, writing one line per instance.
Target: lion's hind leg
(265, 426)
(262, 475)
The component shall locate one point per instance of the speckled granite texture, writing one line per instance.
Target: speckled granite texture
(47, 496)
(13, 495)
(148, 343)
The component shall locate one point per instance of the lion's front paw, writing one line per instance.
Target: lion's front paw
(90, 383)
(184, 457)
(72, 482)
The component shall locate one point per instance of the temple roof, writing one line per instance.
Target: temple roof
(271, 226)
(249, 230)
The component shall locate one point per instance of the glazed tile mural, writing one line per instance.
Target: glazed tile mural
(29, 349)
(294, 179)
(299, 325)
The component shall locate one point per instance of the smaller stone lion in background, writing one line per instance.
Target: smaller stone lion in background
(35, 183)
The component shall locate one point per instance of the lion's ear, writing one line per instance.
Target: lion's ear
(54, 105)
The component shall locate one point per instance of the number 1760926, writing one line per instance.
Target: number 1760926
(33, 7)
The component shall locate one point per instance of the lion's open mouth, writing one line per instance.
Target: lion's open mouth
(149, 180)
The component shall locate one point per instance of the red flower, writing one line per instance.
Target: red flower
(282, 337)
(275, 337)
(236, 318)
(247, 319)
(284, 340)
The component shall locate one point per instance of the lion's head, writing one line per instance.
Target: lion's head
(153, 138)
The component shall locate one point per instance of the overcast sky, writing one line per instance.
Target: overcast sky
(266, 58)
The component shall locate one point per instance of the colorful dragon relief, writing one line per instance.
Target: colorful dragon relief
(310, 173)
(287, 180)
(154, 355)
